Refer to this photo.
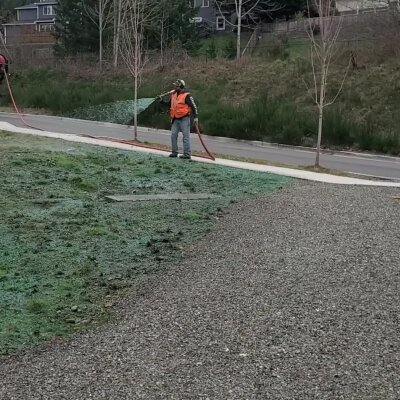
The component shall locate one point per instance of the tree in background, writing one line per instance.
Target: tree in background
(287, 9)
(230, 50)
(211, 50)
(164, 25)
(7, 12)
(174, 25)
(101, 15)
(117, 10)
(248, 13)
(137, 15)
(323, 49)
(75, 32)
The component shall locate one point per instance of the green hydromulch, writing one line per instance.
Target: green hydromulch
(66, 253)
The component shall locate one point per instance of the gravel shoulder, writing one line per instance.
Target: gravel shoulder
(294, 295)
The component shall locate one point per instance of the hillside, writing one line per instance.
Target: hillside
(262, 98)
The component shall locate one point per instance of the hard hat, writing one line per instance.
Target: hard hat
(180, 83)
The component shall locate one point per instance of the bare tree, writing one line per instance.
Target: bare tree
(163, 32)
(162, 28)
(117, 8)
(244, 9)
(391, 30)
(101, 16)
(136, 15)
(323, 36)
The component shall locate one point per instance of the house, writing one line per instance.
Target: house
(208, 14)
(34, 24)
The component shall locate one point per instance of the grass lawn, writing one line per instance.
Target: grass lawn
(67, 254)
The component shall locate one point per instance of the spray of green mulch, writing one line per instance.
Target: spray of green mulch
(119, 112)
(67, 254)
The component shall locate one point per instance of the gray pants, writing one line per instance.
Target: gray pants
(181, 125)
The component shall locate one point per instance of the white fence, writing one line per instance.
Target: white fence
(366, 25)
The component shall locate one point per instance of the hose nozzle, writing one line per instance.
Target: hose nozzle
(166, 93)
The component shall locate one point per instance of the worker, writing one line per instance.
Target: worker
(3, 67)
(182, 107)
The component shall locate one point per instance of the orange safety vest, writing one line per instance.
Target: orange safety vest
(179, 108)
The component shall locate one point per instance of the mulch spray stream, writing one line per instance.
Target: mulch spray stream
(121, 112)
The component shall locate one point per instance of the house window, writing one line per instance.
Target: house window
(48, 10)
(46, 27)
(220, 23)
(196, 20)
(205, 3)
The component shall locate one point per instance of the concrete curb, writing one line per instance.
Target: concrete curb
(299, 174)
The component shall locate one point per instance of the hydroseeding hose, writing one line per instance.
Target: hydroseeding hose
(124, 141)
(131, 142)
(148, 146)
(9, 88)
(15, 105)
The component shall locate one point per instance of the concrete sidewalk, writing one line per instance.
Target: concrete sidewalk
(294, 173)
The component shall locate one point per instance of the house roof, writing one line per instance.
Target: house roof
(26, 7)
(44, 21)
(35, 5)
(360, 5)
(19, 23)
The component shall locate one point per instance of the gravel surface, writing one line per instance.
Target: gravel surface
(295, 295)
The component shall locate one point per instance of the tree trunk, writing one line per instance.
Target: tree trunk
(101, 11)
(117, 28)
(136, 76)
(320, 121)
(100, 48)
(115, 32)
(135, 116)
(321, 104)
(239, 29)
(162, 41)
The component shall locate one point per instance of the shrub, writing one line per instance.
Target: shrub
(230, 50)
(261, 119)
(211, 50)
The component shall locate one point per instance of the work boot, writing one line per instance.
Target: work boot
(185, 157)
(173, 155)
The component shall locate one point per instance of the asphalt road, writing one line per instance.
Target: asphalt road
(379, 166)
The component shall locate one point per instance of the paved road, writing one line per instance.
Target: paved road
(385, 167)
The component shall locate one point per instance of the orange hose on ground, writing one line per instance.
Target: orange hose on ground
(138, 144)
(202, 141)
(15, 105)
(133, 143)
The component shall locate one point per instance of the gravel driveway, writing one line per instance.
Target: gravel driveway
(295, 295)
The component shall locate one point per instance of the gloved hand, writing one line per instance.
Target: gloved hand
(196, 121)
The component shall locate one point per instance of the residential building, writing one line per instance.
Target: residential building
(209, 15)
(34, 24)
